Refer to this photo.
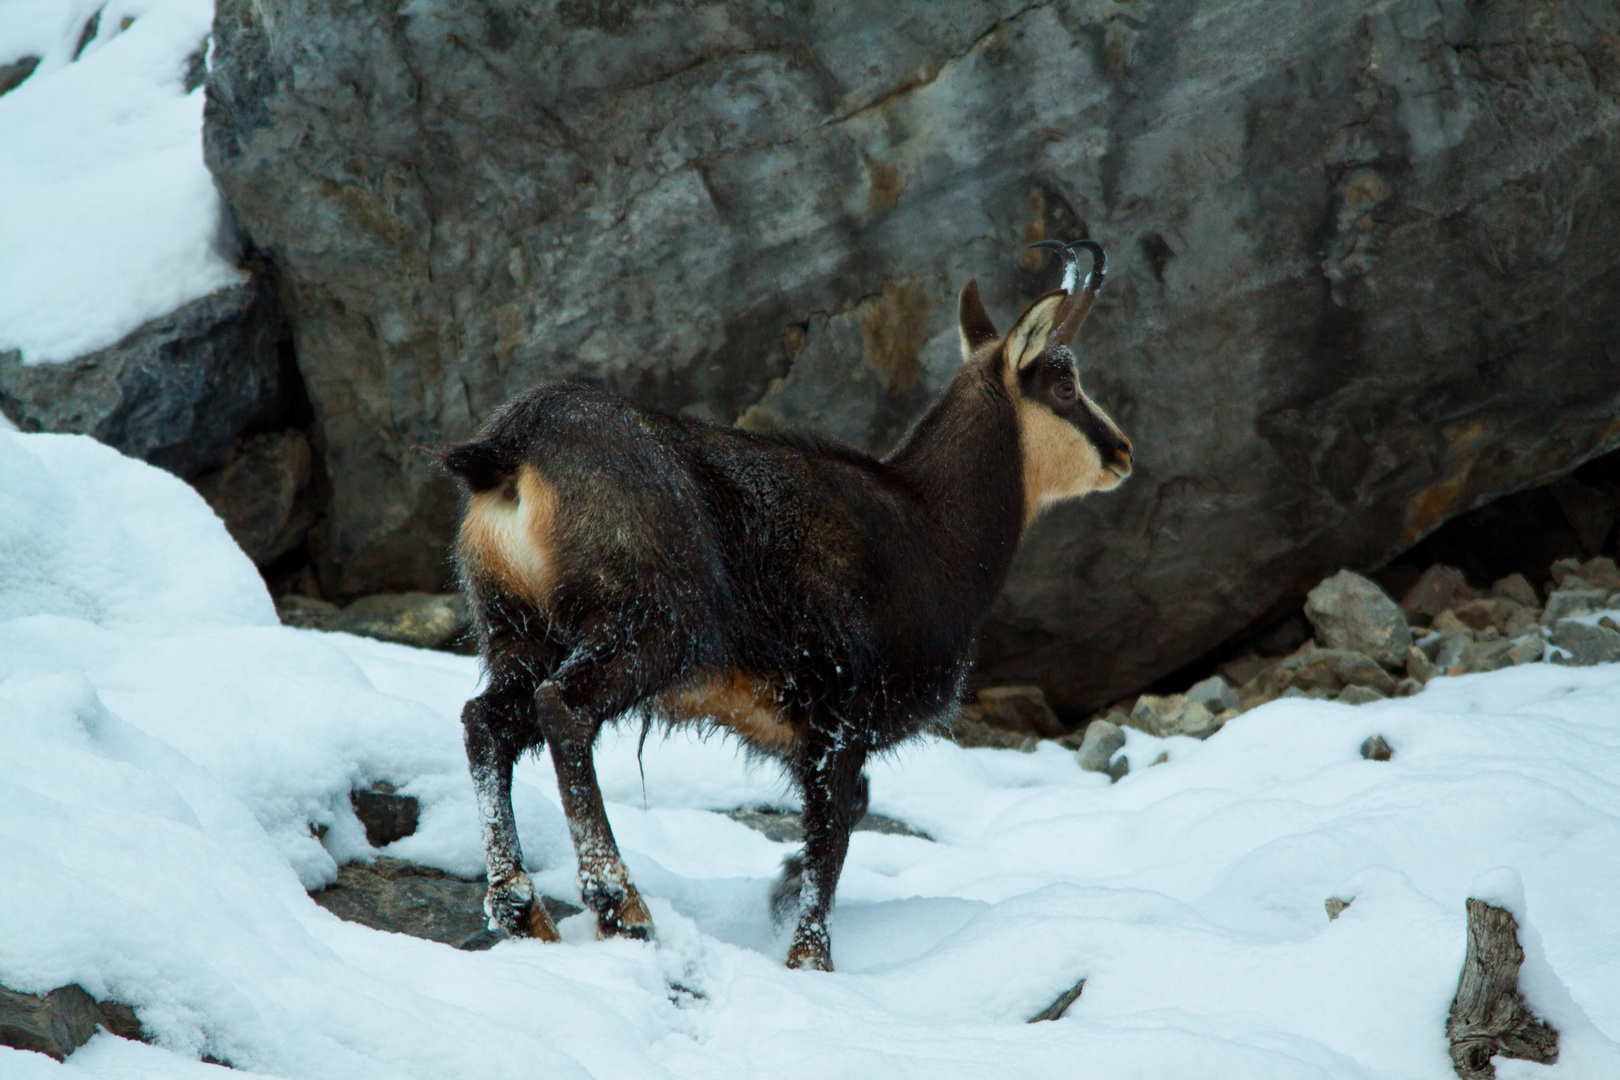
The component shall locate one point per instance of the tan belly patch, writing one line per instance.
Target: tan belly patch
(746, 705)
(507, 532)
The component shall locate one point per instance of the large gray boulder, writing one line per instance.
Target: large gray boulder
(1363, 269)
(176, 391)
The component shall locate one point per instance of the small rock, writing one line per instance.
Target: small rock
(1509, 616)
(1349, 612)
(1528, 650)
(1245, 668)
(1197, 721)
(403, 897)
(1215, 694)
(970, 731)
(1448, 659)
(55, 1024)
(1419, 666)
(1020, 708)
(305, 612)
(1376, 748)
(1361, 695)
(1490, 655)
(1515, 587)
(787, 826)
(1335, 906)
(1357, 669)
(1447, 622)
(12, 75)
(1103, 739)
(1158, 716)
(1563, 568)
(1407, 687)
(1438, 588)
(1586, 645)
(386, 815)
(1564, 603)
(1311, 695)
(425, 620)
(1601, 573)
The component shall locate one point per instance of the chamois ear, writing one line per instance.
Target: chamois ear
(973, 321)
(1034, 326)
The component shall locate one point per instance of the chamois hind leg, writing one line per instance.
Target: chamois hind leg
(604, 881)
(834, 802)
(498, 725)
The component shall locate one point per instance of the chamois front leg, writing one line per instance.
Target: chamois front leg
(834, 803)
(604, 881)
(498, 725)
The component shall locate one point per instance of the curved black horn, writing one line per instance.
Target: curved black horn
(1099, 263)
(1071, 261)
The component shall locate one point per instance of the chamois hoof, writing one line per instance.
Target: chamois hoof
(810, 951)
(511, 906)
(625, 916)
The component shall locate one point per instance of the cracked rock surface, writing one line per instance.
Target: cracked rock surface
(1361, 270)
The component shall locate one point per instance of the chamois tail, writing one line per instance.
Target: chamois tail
(480, 465)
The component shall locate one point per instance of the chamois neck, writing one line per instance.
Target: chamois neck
(964, 459)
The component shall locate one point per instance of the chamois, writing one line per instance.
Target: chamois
(819, 603)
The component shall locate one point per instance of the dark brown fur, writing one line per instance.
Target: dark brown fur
(817, 602)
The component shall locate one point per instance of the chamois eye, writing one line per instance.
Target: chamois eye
(1064, 390)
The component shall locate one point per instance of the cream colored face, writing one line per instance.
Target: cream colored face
(1070, 446)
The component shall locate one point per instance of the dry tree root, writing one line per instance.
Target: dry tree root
(1489, 1015)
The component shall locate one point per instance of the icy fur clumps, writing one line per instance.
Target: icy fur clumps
(108, 217)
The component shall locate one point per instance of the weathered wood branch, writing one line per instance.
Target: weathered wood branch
(1489, 1015)
(1061, 1005)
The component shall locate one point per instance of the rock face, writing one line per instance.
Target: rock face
(1363, 276)
(176, 392)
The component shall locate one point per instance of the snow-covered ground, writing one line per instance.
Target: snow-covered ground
(165, 745)
(108, 217)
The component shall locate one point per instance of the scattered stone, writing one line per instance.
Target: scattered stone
(425, 620)
(787, 826)
(969, 730)
(1563, 568)
(1197, 721)
(1103, 739)
(1418, 665)
(55, 1024)
(1487, 655)
(1056, 1010)
(386, 815)
(1437, 589)
(1244, 669)
(1312, 695)
(1453, 649)
(1376, 748)
(1020, 708)
(1488, 1015)
(1361, 695)
(305, 612)
(1357, 669)
(1509, 616)
(1517, 588)
(1601, 573)
(1158, 716)
(1586, 645)
(1214, 694)
(1447, 622)
(1349, 612)
(406, 898)
(1407, 687)
(1580, 600)
(1527, 650)
(1335, 906)
(261, 493)
(13, 74)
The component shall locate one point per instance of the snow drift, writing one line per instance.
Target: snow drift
(166, 748)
